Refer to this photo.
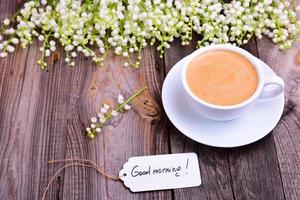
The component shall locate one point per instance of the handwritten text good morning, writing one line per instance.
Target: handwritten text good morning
(161, 172)
(137, 172)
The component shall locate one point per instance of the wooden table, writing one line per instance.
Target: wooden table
(43, 115)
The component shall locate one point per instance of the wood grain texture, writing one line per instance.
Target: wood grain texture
(213, 162)
(287, 132)
(136, 133)
(43, 115)
(254, 168)
(250, 172)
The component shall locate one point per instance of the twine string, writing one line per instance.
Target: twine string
(75, 162)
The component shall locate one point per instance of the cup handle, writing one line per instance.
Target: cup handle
(272, 80)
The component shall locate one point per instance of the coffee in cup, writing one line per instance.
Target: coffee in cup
(222, 77)
(222, 81)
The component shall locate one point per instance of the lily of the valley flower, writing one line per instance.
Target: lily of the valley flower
(92, 27)
(105, 114)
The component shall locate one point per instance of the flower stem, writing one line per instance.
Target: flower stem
(108, 116)
(127, 101)
(130, 99)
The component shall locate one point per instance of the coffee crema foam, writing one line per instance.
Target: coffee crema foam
(222, 77)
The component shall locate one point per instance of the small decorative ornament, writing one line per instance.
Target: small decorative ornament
(105, 114)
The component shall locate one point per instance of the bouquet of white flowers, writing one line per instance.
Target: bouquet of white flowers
(92, 27)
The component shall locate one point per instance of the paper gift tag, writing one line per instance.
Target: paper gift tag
(161, 172)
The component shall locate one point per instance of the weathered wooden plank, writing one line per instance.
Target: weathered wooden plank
(135, 133)
(286, 134)
(43, 116)
(37, 129)
(16, 115)
(242, 176)
(213, 162)
(11, 139)
(254, 171)
(254, 168)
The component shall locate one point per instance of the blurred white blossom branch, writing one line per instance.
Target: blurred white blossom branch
(92, 27)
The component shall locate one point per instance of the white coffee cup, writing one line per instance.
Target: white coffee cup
(224, 113)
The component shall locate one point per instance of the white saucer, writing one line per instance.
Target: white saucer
(256, 123)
